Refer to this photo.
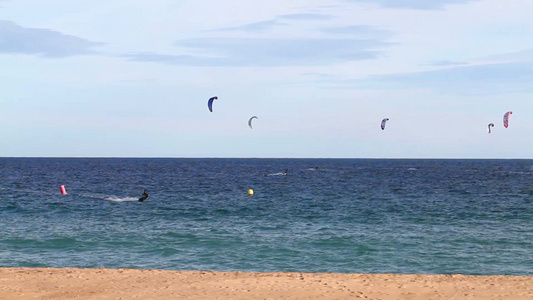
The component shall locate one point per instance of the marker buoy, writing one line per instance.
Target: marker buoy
(63, 190)
(250, 192)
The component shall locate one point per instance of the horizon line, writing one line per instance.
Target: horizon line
(217, 157)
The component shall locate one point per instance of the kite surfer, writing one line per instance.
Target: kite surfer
(144, 197)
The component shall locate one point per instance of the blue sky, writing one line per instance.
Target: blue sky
(132, 78)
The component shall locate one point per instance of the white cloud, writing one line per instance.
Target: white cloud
(359, 31)
(486, 79)
(15, 39)
(306, 17)
(518, 56)
(257, 26)
(267, 52)
(447, 63)
(280, 20)
(415, 4)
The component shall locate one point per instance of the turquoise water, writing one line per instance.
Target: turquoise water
(324, 215)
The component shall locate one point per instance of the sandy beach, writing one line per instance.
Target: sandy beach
(48, 283)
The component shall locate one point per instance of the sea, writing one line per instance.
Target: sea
(424, 216)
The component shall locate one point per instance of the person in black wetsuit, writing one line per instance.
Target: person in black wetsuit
(144, 197)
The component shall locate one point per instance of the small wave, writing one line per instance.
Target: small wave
(108, 198)
(120, 199)
(514, 172)
(277, 174)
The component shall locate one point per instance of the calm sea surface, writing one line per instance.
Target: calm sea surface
(324, 215)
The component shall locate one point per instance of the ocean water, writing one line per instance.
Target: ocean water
(324, 215)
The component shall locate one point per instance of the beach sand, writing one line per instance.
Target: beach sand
(49, 284)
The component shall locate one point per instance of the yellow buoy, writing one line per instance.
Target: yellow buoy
(250, 192)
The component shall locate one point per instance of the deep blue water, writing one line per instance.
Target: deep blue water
(347, 215)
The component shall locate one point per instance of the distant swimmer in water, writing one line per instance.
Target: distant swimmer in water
(144, 197)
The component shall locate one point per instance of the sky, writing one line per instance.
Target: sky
(132, 78)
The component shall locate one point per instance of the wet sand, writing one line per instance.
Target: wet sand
(50, 284)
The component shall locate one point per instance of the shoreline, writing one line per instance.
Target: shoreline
(17, 283)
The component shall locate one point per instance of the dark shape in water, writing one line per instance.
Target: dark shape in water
(144, 197)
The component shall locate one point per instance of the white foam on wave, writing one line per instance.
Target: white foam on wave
(277, 174)
(120, 199)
